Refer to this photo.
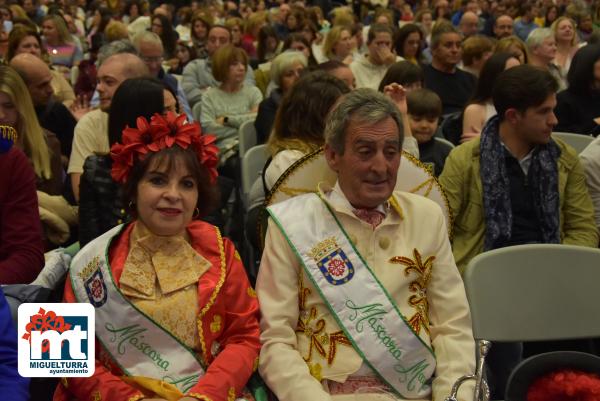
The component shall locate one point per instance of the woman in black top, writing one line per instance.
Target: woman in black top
(578, 107)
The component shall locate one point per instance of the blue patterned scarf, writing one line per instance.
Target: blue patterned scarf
(542, 175)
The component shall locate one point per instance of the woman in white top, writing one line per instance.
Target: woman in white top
(300, 121)
(480, 108)
(566, 44)
(226, 107)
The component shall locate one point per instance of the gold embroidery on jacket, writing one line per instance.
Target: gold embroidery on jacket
(318, 338)
(419, 286)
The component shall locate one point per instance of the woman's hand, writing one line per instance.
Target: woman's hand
(397, 94)
(220, 120)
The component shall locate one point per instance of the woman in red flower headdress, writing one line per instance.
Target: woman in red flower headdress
(176, 318)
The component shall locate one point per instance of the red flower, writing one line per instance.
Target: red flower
(160, 133)
(565, 385)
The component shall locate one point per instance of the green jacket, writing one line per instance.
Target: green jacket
(462, 182)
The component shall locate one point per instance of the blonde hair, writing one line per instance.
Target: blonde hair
(64, 36)
(116, 30)
(560, 19)
(505, 45)
(343, 16)
(254, 22)
(28, 127)
(333, 36)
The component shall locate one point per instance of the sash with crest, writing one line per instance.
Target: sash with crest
(357, 300)
(140, 346)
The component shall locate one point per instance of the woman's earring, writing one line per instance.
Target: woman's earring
(196, 213)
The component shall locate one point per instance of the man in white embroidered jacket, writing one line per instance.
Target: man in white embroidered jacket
(358, 287)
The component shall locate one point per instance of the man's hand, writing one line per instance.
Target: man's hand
(397, 94)
(80, 107)
(467, 136)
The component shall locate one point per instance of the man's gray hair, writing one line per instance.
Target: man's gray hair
(537, 37)
(146, 37)
(361, 105)
(116, 47)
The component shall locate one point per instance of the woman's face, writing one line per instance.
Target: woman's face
(411, 45)
(290, 76)
(427, 21)
(200, 30)
(236, 35)
(170, 102)
(183, 54)
(292, 22)
(552, 14)
(565, 31)
(5, 14)
(134, 11)
(308, 34)
(237, 72)
(271, 44)
(49, 31)
(29, 44)
(343, 47)
(157, 27)
(8, 111)
(301, 47)
(166, 200)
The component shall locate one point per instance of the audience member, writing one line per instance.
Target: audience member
(340, 71)
(101, 202)
(404, 73)
(475, 52)
(300, 121)
(542, 50)
(578, 107)
(409, 43)
(424, 112)
(517, 185)
(162, 27)
(515, 46)
(200, 27)
(150, 50)
(285, 71)
(52, 115)
(567, 44)
(227, 106)
(370, 69)
(337, 45)
(21, 243)
(469, 24)
(590, 159)
(524, 25)
(198, 76)
(503, 26)
(59, 43)
(451, 84)
(481, 108)
(91, 132)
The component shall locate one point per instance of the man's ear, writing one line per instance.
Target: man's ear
(332, 157)
(512, 116)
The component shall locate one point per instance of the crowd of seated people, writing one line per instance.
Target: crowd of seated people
(82, 81)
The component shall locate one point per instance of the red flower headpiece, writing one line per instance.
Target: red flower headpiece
(160, 133)
(565, 385)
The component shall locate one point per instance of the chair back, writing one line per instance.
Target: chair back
(247, 137)
(252, 163)
(534, 292)
(577, 141)
(444, 142)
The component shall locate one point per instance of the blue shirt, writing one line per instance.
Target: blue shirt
(12, 386)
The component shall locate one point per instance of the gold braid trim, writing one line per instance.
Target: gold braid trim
(231, 394)
(137, 397)
(213, 296)
(8, 132)
(199, 396)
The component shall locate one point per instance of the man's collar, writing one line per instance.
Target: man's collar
(338, 201)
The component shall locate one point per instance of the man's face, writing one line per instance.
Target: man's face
(469, 25)
(368, 167)
(535, 125)
(110, 75)
(217, 37)
(152, 55)
(503, 26)
(39, 86)
(546, 50)
(380, 47)
(449, 51)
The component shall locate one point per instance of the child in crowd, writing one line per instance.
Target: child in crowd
(424, 111)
